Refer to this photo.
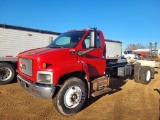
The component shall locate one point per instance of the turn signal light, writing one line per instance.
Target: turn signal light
(45, 65)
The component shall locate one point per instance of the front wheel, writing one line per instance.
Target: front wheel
(7, 73)
(71, 97)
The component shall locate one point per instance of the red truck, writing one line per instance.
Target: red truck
(73, 68)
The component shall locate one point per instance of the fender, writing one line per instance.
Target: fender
(69, 68)
(85, 69)
(63, 69)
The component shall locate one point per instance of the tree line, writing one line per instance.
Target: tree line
(136, 46)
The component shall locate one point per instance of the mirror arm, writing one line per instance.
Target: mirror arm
(84, 52)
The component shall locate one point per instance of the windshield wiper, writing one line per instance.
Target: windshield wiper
(56, 46)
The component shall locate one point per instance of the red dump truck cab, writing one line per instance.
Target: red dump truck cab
(72, 53)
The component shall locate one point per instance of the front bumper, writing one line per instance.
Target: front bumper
(40, 91)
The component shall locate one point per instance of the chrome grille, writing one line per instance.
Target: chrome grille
(26, 66)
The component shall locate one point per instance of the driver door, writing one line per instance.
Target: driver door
(95, 60)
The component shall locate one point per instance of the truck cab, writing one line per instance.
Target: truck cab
(70, 52)
(129, 54)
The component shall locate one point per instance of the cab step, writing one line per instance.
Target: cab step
(100, 86)
(97, 93)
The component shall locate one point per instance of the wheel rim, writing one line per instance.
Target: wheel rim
(148, 75)
(72, 97)
(5, 73)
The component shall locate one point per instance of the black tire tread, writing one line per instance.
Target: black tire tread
(11, 67)
(59, 97)
(143, 75)
(137, 69)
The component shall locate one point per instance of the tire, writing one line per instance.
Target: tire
(137, 69)
(152, 70)
(71, 97)
(7, 73)
(145, 75)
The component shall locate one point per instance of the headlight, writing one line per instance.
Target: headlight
(45, 77)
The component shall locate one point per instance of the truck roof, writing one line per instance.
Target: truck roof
(28, 29)
(142, 50)
(106, 40)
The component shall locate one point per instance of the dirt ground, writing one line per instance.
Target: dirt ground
(129, 101)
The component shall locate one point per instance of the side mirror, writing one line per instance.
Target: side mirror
(93, 37)
(125, 52)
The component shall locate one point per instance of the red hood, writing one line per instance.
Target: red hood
(50, 55)
(55, 57)
(37, 51)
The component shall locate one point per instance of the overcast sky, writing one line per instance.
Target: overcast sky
(128, 21)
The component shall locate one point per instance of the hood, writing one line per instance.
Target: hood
(51, 55)
(37, 51)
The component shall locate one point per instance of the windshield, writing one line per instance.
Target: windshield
(67, 40)
(129, 52)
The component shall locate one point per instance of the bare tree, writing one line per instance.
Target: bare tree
(140, 46)
(131, 47)
(135, 46)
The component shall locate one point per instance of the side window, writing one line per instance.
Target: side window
(98, 42)
(86, 42)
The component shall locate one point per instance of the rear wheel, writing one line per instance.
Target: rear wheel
(7, 73)
(71, 97)
(145, 75)
(137, 69)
